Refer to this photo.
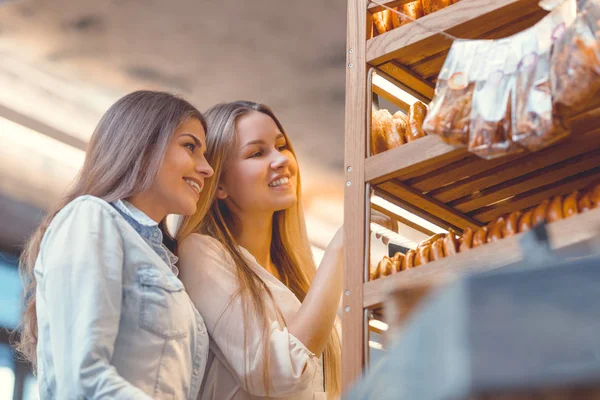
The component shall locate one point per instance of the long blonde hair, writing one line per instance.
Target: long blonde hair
(290, 248)
(123, 157)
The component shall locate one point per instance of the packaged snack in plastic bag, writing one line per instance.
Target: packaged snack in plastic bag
(575, 65)
(450, 109)
(491, 125)
(535, 124)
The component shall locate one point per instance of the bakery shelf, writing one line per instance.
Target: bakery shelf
(373, 8)
(414, 53)
(581, 229)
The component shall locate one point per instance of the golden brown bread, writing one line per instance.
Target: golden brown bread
(539, 213)
(431, 239)
(437, 250)
(397, 134)
(383, 21)
(385, 266)
(374, 272)
(430, 6)
(495, 230)
(416, 115)
(450, 243)
(595, 196)
(480, 237)
(525, 222)
(585, 202)
(397, 261)
(554, 212)
(422, 256)
(570, 205)
(381, 125)
(511, 225)
(467, 240)
(409, 260)
(414, 10)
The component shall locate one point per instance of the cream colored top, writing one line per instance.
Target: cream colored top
(208, 273)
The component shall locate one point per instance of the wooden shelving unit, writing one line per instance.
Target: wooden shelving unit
(447, 186)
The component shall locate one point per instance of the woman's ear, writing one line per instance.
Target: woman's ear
(221, 193)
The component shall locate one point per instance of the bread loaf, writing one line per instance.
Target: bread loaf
(414, 10)
(555, 209)
(430, 6)
(409, 260)
(495, 230)
(383, 21)
(539, 213)
(570, 204)
(381, 125)
(450, 243)
(416, 115)
(422, 256)
(397, 135)
(595, 196)
(526, 221)
(585, 202)
(480, 237)
(511, 224)
(397, 261)
(373, 272)
(437, 250)
(467, 240)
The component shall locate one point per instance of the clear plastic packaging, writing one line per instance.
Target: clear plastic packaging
(450, 109)
(535, 122)
(575, 65)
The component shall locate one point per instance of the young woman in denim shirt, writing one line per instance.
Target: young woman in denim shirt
(106, 315)
(248, 268)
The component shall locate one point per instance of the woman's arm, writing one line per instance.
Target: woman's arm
(314, 320)
(81, 282)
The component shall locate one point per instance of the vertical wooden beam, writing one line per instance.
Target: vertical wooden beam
(355, 193)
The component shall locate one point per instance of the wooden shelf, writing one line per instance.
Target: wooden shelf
(581, 229)
(453, 187)
(414, 53)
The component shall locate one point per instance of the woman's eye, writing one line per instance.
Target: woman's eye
(190, 146)
(282, 147)
(256, 154)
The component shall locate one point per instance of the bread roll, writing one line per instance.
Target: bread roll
(555, 209)
(437, 250)
(413, 10)
(511, 224)
(480, 237)
(431, 239)
(539, 213)
(416, 115)
(383, 21)
(422, 256)
(397, 261)
(595, 196)
(570, 205)
(397, 134)
(385, 266)
(409, 260)
(450, 243)
(585, 202)
(495, 230)
(466, 240)
(374, 272)
(526, 221)
(430, 6)
(381, 125)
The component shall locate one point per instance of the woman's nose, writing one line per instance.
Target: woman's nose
(204, 168)
(280, 160)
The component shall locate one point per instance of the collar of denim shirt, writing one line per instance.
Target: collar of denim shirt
(148, 229)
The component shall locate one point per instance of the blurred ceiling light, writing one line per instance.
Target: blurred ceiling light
(375, 345)
(407, 215)
(387, 86)
(375, 323)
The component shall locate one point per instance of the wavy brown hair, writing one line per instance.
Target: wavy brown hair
(123, 157)
(290, 249)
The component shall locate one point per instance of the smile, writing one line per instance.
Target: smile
(280, 182)
(194, 185)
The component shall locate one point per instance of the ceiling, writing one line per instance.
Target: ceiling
(65, 61)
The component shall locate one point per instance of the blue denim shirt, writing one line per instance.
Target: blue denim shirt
(114, 321)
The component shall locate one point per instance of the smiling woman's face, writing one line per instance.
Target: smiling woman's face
(262, 174)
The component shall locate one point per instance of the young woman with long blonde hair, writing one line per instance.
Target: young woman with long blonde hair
(249, 269)
(106, 315)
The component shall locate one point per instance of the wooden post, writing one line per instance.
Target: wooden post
(354, 195)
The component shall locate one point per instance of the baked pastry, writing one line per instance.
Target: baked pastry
(414, 10)
(511, 224)
(495, 230)
(431, 239)
(555, 209)
(397, 261)
(385, 266)
(409, 260)
(466, 240)
(595, 196)
(383, 21)
(585, 202)
(422, 256)
(450, 243)
(381, 124)
(416, 115)
(373, 272)
(430, 6)
(437, 250)
(397, 134)
(570, 204)
(480, 237)
(539, 213)
(525, 222)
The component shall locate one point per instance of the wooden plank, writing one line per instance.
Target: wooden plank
(373, 7)
(534, 197)
(389, 97)
(353, 329)
(466, 19)
(417, 86)
(412, 159)
(579, 229)
(428, 205)
(401, 220)
(576, 145)
(543, 177)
